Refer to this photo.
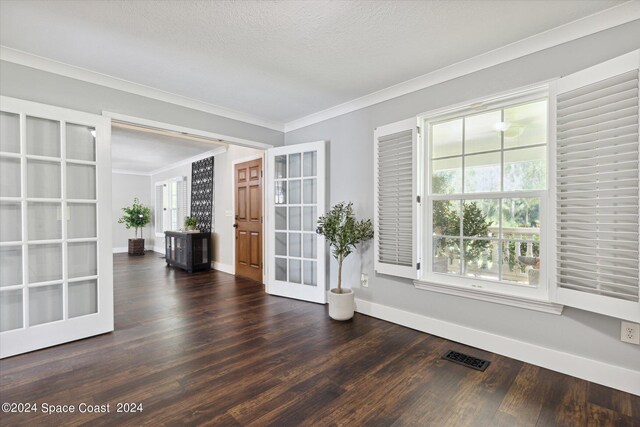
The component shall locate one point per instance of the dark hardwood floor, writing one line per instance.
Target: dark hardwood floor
(208, 348)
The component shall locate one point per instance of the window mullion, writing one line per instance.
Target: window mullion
(502, 153)
(500, 240)
(502, 170)
(462, 254)
(453, 156)
(461, 209)
(492, 195)
(464, 143)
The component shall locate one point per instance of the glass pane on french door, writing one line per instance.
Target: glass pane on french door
(51, 278)
(296, 199)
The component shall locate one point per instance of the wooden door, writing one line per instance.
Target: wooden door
(248, 188)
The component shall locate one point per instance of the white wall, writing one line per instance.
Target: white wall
(224, 235)
(576, 332)
(223, 231)
(125, 188)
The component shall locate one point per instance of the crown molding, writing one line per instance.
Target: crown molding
(609, 18)
(49, 65)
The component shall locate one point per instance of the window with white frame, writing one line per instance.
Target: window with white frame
(170, 204)
(486, 188)
(530, 199)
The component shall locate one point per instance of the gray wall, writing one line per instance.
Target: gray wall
(351, 178)
(124, 189)
(39, 86)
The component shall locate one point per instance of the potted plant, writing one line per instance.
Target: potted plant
(136, 216)
(190, 223)
(343, 232)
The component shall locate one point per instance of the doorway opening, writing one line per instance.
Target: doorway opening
(154, 162)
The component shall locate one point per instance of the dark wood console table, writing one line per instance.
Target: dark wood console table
(190, 251)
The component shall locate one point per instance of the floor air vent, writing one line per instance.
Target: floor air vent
(466, 360)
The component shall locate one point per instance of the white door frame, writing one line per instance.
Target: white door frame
(29, 338)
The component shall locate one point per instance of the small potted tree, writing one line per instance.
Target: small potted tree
(343, 232)
(136, 216)
(190, 223)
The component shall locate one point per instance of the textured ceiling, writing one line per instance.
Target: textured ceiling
(145, 152)
(279, 60)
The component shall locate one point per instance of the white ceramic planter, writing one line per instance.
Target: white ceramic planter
(341, 306)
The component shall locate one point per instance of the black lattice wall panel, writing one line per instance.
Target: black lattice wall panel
(202, 194)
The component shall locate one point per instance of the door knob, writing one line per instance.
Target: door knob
(235, 225)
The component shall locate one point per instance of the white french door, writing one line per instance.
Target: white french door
(56, 279)
(296, 255)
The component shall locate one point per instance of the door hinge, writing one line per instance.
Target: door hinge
(261, 174)
(418, 266)
(418, 199)
(418, 130)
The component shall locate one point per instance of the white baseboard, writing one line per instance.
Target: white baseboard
(226, 268)
(588, 369)
(159, 249)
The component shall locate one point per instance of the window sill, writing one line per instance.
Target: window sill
(495, 297)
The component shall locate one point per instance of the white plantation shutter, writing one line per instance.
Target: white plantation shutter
(597, 189)
(395, 195)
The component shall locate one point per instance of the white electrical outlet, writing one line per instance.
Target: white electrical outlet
(364, 280)
(630, 332)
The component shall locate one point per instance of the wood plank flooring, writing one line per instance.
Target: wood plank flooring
(210, 349)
